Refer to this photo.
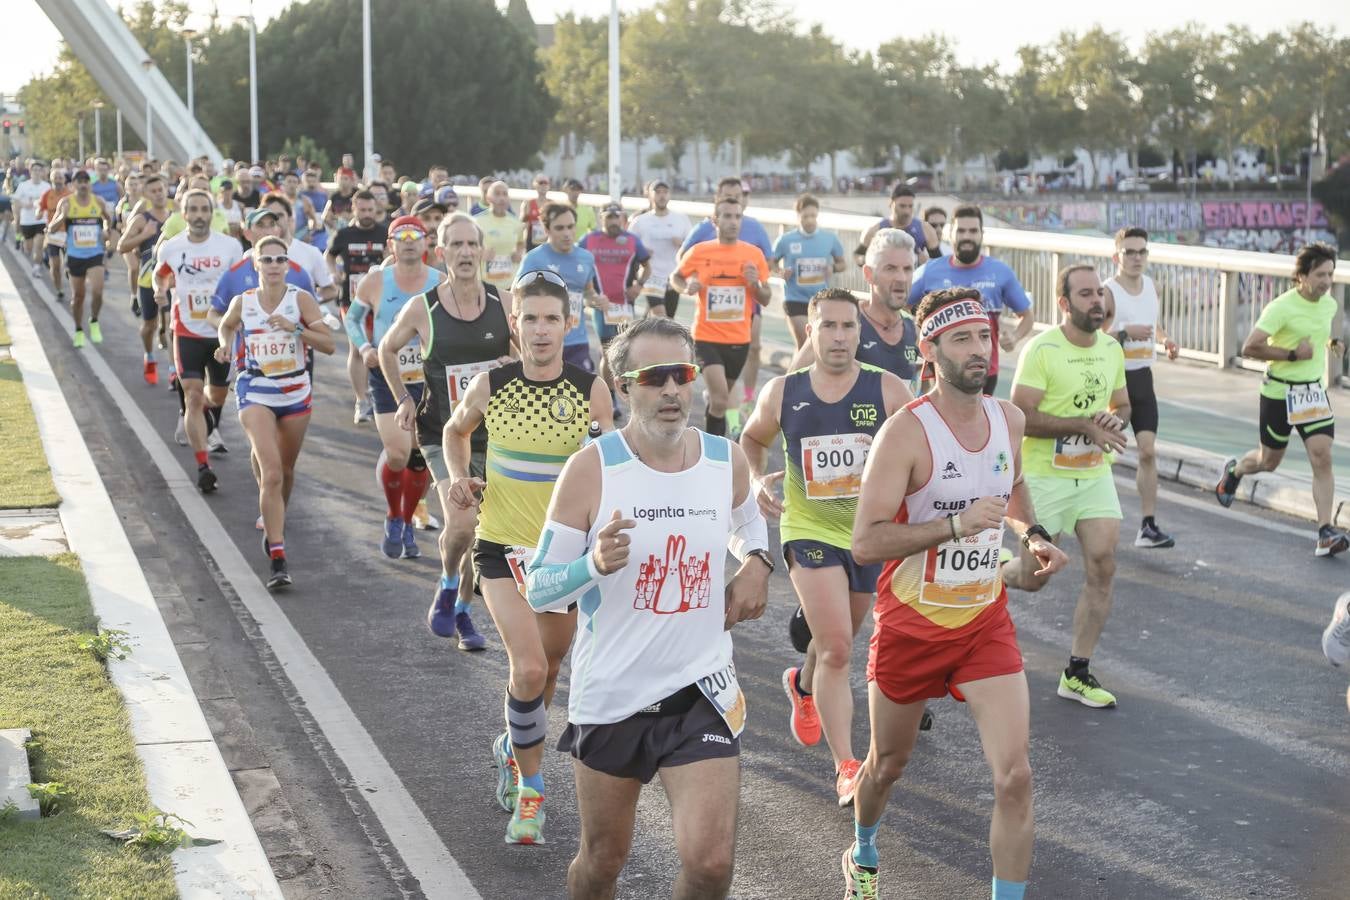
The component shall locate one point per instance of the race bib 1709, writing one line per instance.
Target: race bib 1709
(1306, 403)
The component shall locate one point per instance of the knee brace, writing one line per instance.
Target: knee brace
(526, 721)
(416, 461)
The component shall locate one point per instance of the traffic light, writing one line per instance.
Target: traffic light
(21, 126)
(6, 123)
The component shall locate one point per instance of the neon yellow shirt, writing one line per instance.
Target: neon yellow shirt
(1288, 319)
(501, 235)
(1078, 382)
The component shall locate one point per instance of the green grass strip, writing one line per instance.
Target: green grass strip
(83, 737)
(25, 479)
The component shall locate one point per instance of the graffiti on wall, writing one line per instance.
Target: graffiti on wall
(1266, 226)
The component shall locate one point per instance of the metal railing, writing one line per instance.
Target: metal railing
(1209, 298)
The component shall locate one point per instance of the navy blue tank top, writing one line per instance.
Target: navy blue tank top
(900, 359)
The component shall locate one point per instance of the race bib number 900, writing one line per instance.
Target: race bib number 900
(832, 465)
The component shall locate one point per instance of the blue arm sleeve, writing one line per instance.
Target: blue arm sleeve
(355, 323)
(561, 571)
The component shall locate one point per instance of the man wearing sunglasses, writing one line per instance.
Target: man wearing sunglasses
(401, 469)
(828, 415)
(730, 278)
(538, 412)
(463, 328)
(638, 533)
(576, 267)
(193, 263)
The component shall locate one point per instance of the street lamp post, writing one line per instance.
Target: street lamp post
(80, 118)
(148, 65)
(188, 35)
(615, 170)
(98, 127)
(253, 83)
(369, 125)
(119, 132)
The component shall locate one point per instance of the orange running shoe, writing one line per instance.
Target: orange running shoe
(804, 722)
(151, 372)
(846, 781)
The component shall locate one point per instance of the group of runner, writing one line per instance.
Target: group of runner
(469, 343)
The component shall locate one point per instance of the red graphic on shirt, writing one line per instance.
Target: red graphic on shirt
(655, 590)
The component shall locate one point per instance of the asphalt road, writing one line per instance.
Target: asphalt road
(1225, 772)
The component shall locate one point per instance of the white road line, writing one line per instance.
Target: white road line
(409, 830)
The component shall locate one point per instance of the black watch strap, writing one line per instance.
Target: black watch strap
(1036, 531)
(764, 556)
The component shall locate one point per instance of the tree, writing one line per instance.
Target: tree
(912, 91)
(1040, 120)
(1093, 70)
(576, 75)
(1175, 95)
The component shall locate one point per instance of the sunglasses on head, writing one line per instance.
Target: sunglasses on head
(530, 278)
(657, 375)
(407, 235)
(273, 260)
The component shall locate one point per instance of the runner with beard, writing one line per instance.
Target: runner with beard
(993, 278)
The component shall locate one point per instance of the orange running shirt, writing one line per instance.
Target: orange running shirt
(725, 303)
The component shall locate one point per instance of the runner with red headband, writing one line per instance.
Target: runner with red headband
(942, 622)
(401, 470)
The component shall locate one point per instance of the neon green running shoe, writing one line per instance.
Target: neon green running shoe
(733, 416)
(527, 820)
(1086, 690)
(860, 882)
(508, 776)
(95, 333)
(79, 340)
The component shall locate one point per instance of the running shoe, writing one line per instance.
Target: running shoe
(1331, 541)
(1227, 487)
(803, 722)
(95, 333)
(206, 479)
(79, 340)
(180, 432)
(860, 882)
(733, 417)
(1085, 689)
(258, 523)
(1152, 537)
(215, 443)
(410, 550)
(392, 545)
(469, 638)
(362, 412)
(1336, 638)
(60, 296)
(926, 720)
(508, 776)
(37, 271)
(151, 372)
(799, 632)
(441, 617)
(846, 781)
(422, 518)
(279, 578)
(527, 819)
(135, 306)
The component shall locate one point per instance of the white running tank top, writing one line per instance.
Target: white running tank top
(271, 362)
(1136, 309)
(952, 584)
(655, 626)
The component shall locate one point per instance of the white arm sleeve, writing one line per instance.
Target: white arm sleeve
(749, 531)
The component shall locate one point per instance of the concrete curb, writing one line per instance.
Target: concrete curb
(1267, 490)
(184, 770)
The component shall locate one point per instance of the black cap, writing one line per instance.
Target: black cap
(80, 175)
(426, 204)
(573, 184)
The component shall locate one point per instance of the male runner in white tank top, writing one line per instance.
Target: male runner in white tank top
(1132, 316)
(943, 478)
(637, 534)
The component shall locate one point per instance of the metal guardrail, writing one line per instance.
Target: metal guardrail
(1209, 298)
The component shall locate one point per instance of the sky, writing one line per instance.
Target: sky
(990, 36)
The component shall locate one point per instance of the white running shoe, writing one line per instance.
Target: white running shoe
(215, 443)
(1336, 639)
(180, 433)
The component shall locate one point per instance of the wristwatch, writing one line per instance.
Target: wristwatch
(1036, 531)
(764, 557)
(1293, 356)
(1121, 335)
